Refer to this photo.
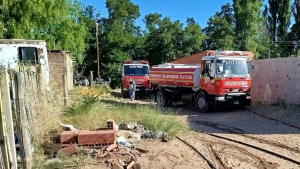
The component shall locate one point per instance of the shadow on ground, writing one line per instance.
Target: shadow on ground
(234, 121)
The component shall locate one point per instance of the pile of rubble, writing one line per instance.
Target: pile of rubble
(113, 146)
(142, 132)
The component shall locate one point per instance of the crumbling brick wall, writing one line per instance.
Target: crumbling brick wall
(276, 81)
(61, 72)
(61, 64)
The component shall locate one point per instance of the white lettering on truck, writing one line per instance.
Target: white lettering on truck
(169, 76)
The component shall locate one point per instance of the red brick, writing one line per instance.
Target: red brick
(71, 149)
(69, 137)
(96, 137)
(111, 124)
(111, 147)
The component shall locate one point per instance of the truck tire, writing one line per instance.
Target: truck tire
(162, 98)
(201, 103)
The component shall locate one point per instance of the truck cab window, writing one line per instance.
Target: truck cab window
(212, 70)
(206, 68)
(28, 54)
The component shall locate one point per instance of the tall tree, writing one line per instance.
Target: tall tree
(167, 40)
(294, 34)
(247, 17)
(56, 21)
(263, 40)
(117, 37)
(192, 38)
(220, 29)
(278, 18)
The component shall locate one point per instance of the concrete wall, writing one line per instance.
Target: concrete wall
(276, 81)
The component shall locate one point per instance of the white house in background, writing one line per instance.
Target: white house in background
(34, 52)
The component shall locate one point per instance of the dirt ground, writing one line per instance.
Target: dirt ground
(252, 141)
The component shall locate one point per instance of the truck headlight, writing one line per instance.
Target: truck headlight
(248, 97)
(220, 98)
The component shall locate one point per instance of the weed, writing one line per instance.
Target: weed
(154, 118)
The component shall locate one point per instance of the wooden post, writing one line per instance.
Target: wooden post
(9, 119)
(3, 148)
(25, 139)
(91, 78)
(98, 62)
(66, 90)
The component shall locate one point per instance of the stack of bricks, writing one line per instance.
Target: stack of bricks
(87, 138)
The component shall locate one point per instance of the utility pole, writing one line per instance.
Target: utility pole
(98, 64)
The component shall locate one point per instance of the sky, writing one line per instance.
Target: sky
(200, 10)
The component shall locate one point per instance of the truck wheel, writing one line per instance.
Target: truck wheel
(201, 103)
(162, 98)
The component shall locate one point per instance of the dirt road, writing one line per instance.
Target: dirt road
(242, 139)
(230, 139)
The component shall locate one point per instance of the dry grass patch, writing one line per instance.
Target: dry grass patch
(90, 112)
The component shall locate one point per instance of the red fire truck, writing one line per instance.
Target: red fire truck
(139, 72)
(220, 80)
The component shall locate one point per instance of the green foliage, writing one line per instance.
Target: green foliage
(152, 117)
(247, 17)
(166, 40)
(278, 18)
(85, 102)
(70, 26)
(2, 29)
(55, 21)
(220, 30)
(264, 41)
(294, 34)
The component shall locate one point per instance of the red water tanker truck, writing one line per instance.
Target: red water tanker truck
(139, 72)
(220, 80)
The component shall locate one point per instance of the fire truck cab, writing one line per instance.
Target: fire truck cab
(220, 80)
(139, 72)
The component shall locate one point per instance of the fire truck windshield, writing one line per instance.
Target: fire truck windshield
(232, 68)
(135, 70)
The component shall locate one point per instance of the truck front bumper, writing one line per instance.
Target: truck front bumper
(232, 100)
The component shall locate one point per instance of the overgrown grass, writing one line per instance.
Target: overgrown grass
(90, 112)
